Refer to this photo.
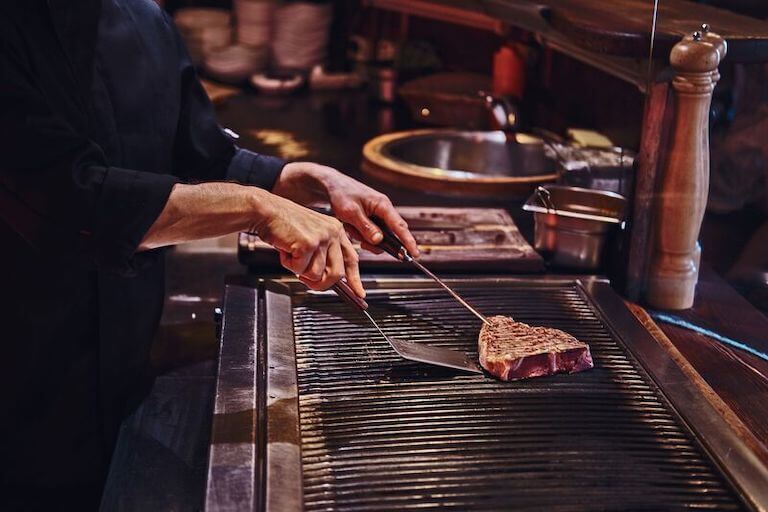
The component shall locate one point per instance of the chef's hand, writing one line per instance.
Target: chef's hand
(352, 202)
(313, 246)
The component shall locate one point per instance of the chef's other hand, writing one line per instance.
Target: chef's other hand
(352, 202)
(313, 246)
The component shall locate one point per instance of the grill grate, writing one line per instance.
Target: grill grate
(382, 433)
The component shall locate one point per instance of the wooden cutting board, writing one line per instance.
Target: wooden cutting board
(465, 240)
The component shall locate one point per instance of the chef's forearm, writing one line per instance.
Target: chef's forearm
(206, 210)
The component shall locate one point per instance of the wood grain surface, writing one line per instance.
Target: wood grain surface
(624, 27)
(757, 444)
(657, 118)
(741, 380)
(617, 27)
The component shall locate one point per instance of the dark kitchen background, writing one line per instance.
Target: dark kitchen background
(327, 114)
(559, 92)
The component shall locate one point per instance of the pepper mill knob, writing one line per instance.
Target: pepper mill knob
(698, 52)
(714, 39)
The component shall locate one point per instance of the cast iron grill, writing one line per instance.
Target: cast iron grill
(381, 433)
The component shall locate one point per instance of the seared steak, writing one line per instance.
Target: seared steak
(513, 350)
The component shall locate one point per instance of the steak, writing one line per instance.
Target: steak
(513, 350)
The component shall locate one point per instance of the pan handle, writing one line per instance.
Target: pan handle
(345, 292)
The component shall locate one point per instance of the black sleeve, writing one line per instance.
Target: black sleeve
(56, 190)
(202, 151)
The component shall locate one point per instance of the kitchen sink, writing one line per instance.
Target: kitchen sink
(455, 162)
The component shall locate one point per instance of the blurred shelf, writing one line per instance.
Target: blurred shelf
(614, 40)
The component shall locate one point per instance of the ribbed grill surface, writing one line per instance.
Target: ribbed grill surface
(381, 433)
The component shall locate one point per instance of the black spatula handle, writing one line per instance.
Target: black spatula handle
(390, 244)
(345, 292)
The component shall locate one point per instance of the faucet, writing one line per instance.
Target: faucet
(505, 115)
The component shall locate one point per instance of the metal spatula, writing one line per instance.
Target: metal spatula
(406, 349)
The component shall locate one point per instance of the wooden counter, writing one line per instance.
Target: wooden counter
(740, 379)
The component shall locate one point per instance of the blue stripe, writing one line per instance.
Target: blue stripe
(663, 317)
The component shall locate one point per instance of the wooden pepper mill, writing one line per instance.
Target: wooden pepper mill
(684, 184)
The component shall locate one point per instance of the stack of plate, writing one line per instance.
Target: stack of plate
(253, 19)
(204, 30)
(300, 35)
(234, 64)
(277, 83)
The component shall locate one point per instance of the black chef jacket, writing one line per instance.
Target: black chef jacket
(101, 113)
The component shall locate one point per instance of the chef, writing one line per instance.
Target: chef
(109, 152)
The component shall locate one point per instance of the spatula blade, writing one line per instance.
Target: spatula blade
(429, 354)
(439, 356)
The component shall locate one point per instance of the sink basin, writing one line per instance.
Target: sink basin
(453, 162)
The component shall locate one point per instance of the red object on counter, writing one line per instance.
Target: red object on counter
(509, 70)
